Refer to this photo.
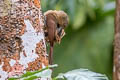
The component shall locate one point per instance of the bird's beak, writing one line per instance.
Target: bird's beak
(62, 33)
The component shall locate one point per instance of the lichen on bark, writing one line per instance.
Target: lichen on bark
(22, 44)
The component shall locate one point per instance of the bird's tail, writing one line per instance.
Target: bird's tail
(51, 54)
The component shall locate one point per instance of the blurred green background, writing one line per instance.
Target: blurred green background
(88, 42)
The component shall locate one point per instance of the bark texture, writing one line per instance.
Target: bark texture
(22, 44)
(116, 67)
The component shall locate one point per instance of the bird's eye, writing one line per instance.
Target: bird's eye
(58, 26)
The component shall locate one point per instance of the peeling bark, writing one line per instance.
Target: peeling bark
(116, 67)
(22, 44)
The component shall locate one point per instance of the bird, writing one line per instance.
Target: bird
(55, 23)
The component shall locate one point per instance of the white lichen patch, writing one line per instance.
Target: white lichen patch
(3, 74)
(43, 66)
(29, 40)
(12, 62)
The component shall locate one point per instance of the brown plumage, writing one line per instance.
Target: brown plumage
(56, 21)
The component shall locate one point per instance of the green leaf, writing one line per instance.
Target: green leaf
(81, 74)
(90, 10)
(12, 78)
(32, 73)
(31, 78)
(80, 19)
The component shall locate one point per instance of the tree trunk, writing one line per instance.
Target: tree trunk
(116, 67)
(22, 44)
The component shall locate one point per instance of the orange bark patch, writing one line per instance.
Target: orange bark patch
(37, 3)
(44, 60)
(37, 26)
(23, 29)
(37, 64)
(39, 48)
(6, 66)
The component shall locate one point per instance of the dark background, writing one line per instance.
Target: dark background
(88, 42)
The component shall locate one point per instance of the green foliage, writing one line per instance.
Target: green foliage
(78, 10)
(78, 74)
(12, 79)
(32, 78)
(44, 73)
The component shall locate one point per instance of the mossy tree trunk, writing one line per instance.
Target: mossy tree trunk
(22, 44)
(116, 67)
